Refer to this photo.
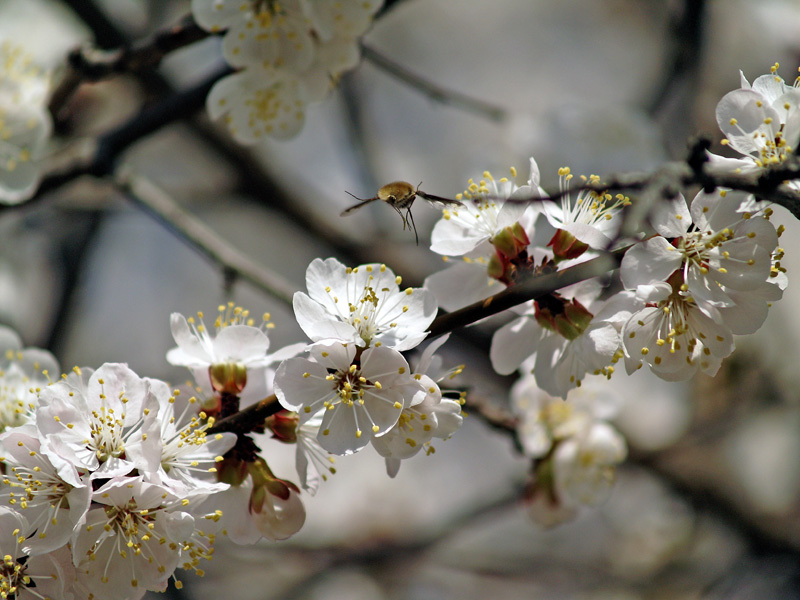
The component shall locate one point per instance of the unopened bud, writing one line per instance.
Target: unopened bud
(573, 321)
(283, 426)
(504, 242)
(578, 315)
(520, 235)
(231, 471)
(496, 268)
(566, 246)
(229, 378)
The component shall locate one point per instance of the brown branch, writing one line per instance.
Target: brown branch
(531, 289)
(90, 64)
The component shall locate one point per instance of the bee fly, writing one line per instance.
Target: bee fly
(400, 195)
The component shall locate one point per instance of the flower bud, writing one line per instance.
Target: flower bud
(284, 426)
(497, 267)
(275, 502)
(566, 246)
(231, 471)
(228, 378)
(511, 241)
(569, 318)
(503, 241)
(573, 321)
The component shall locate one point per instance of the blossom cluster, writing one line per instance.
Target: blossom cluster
(507, 234)
(706, 271)
(104, 485)
(355, 386)
(288, 53)
(573, 446)
(710, 270)
(112, 481)
(24, 122)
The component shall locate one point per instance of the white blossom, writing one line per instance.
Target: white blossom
(708, 250)
(292, 52)
(104, 422)
(363, 399)
(25, 124)
(25, 577)
(136, 538)
(584, 465)
(492, 233)
(311, 460)
(574, 450)
(54, 503)
(761, 122)
(429, 414)
(592, 218)
(234, 358)
(485, 213)
(257, 504)
(259, 102)
(673, 336)
(569, 337)
(23, 373)
(545, 420)
(188, 456)
(363, 305)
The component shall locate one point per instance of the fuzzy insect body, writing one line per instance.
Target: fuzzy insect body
(400, 195)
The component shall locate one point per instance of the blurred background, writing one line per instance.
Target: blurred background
(708, 504)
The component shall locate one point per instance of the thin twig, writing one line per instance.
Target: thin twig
(199, 236)
(433, 90)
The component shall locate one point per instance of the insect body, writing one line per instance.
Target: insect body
(400, 195)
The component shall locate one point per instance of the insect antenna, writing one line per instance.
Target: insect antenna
(362, 202)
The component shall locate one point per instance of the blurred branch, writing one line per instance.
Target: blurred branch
(92, 64)
(253, 180)
(73, 254)
(763, 536)
(685, 45)
(233, 263)
(432, 90)
(98, 157)
(381, 552)
(387, 7)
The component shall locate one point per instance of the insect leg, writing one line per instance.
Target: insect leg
(411, 217)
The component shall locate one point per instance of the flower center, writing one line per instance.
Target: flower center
(12, 577)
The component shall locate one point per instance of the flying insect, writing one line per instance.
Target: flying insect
(400, 195)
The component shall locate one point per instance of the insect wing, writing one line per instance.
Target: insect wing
(439, 200)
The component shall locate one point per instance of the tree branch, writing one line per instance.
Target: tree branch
(92, 64)
(233, 263)
(432, 90)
